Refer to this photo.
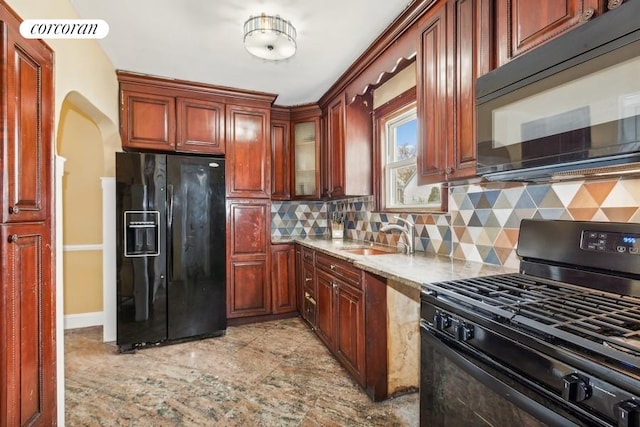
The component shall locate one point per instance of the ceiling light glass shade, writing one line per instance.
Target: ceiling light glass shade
(270, 37)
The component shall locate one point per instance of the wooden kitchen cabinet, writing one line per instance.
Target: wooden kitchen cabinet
(347, 147)
(299, 281)
(157, 118)
(306, 285)
(305, 129)
(28, 326)
(147, 120)
(522, 25)
(295, 152)
(200, 126)
(350, 317)
(248, 152)
(333, 155)
(283, 279)
(325, 308)
(349, 328)
(340, 308)
(27, 160)
(280, 154)
(248, 278)
(170, 115)
(452, 52)
(27, 270)
(309, 291)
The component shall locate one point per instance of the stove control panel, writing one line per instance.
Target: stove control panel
(605, 241)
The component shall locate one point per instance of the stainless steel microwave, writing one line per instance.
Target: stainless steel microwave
(568, 107)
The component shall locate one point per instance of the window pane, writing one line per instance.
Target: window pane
(404, 190)
(406, 135)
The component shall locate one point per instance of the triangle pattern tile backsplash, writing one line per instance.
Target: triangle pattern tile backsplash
(483, 220)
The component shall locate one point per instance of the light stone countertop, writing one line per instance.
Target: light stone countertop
(412, 270)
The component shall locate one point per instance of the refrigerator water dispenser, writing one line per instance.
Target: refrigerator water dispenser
(141, 233)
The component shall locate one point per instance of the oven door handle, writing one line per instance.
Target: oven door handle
(536, 409)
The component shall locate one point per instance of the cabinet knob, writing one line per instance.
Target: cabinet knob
(448, 171)
(588, 13)
(13, 238)
(333, 267)
(308, 279)
(14, 209)
(612, 4)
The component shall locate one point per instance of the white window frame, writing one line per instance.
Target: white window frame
(397, 119)
(387, 140)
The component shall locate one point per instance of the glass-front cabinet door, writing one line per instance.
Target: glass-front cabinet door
(306, 156)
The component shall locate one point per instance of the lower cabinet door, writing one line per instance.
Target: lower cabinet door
(27, 310)
(350, 333)
(248, 289)
(324, 307)
(248, 278)
(283, 279)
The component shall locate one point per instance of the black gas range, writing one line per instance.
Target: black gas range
(556, 344)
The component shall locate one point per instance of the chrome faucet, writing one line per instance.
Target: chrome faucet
(408, 230)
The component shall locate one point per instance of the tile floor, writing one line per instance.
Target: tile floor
(268, 374)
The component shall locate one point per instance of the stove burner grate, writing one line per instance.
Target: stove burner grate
(601, 317)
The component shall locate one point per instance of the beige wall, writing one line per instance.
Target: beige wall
(82, 282)
(81, 145)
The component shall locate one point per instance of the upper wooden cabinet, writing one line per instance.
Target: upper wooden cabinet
(452, 53)
(248, 152)
(295, 152)
(305, 139)
(522, 25)
(200, 126)
(147, 120)
(348, 142)
(162, 122)
(160, 114)
(280, 154)
(333, 158)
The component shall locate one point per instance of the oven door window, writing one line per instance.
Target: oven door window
(457, 389)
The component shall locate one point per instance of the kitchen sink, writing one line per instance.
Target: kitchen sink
(369, 251)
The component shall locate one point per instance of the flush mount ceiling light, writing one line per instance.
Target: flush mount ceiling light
(270, 37)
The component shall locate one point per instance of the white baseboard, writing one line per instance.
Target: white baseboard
(83, 320)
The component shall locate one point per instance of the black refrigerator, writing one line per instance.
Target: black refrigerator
(170, 226)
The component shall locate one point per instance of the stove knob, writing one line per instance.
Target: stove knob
(628, 414)
(576, 388)
(464, 332)
(441, 320)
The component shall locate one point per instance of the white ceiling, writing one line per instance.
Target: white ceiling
(201, 40)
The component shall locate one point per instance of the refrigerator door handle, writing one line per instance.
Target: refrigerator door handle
(170, 231)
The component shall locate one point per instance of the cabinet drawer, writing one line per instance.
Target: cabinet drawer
(307, 279)
(309, 309)
(340, 268)
(307, 255)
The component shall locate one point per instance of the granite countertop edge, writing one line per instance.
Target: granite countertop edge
(416, 270)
